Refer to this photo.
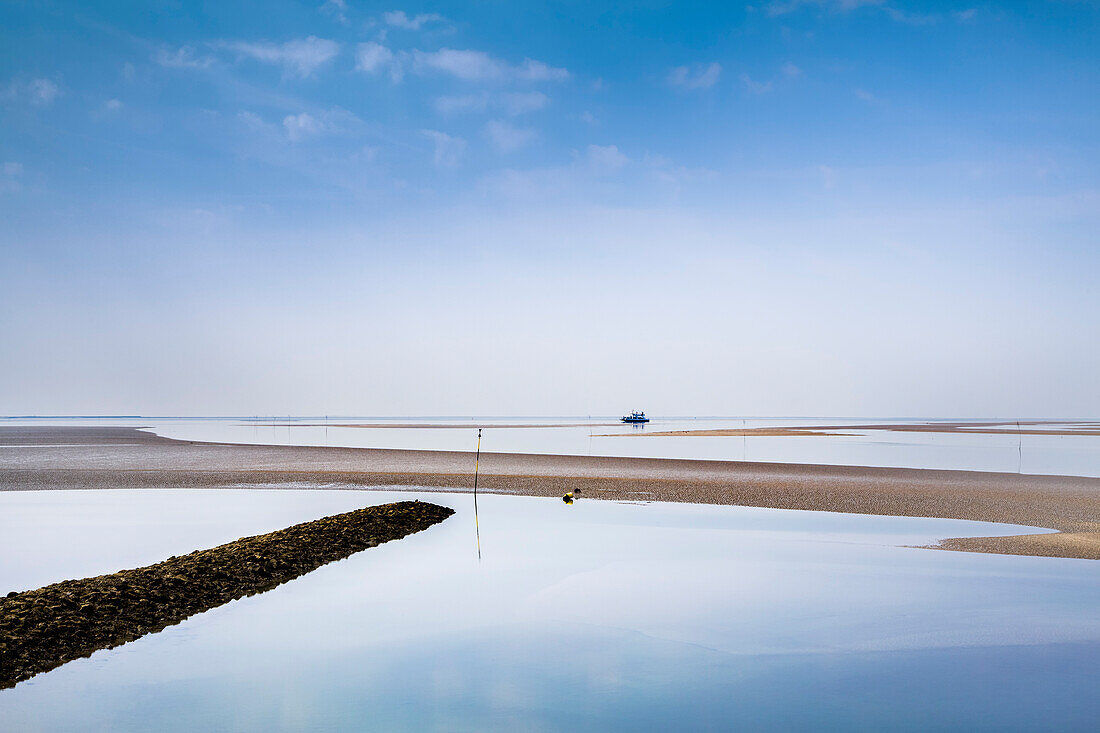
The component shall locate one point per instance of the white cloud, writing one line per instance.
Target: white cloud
(468, 65)
(903, 16)
(448, 149)
(604, 160)
(695, 77)
(251, 119)
(43, 91)
(532, 70)
(789, 69)
(480, 66)
(13, 169)
(506, 137)
(965, 15)
(112, 105)
(399, 19)
(300, 57)
(300, 126)
(756, 87)
(865, 95)
(374, 58)
(371, 57)
(38, 92)
(182, 58)
(337, 9)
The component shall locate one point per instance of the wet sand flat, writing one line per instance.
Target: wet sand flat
(433, 426)
(89, 458)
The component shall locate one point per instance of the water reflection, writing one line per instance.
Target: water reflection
(597, 616)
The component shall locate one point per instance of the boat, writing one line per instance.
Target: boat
(635, 417)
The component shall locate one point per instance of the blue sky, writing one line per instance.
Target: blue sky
(793, 207)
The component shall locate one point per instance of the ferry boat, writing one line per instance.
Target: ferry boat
(635, 416)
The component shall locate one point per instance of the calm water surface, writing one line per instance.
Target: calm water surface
(596, 616)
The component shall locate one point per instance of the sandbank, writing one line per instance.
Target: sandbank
(93, 458)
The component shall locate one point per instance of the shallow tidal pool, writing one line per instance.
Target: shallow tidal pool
(596, 616)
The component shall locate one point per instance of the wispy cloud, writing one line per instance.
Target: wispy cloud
(184, 57)
(605, 160)
(374, 58)
(479, 66)
(337, 9)
(400, 19)
(513, 103)
(906, 16)
(300, 57)
(901, 15)
(453, 103)
(668, 172)
(519, 103)
(38, 92)
(467, 65)
(299, 127)
(755, 87)
(783, 7)
(43, 91)
(789, 69)
(695, 77)
(448, 149)
(508, 138)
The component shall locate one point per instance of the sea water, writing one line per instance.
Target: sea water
(1074, 455)
(595, 616)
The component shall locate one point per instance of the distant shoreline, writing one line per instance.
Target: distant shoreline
(972, 428)
(109, 457)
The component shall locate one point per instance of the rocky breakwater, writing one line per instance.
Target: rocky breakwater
(45, 628)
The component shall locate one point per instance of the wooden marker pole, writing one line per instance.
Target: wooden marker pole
(477, 460)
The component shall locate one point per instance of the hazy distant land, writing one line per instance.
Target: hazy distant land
(1059, 427)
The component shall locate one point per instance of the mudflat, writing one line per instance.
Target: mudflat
(91, 458)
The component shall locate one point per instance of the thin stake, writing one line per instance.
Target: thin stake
(477, 529)
(1020, 449)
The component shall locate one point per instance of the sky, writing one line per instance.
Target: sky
(780, 208)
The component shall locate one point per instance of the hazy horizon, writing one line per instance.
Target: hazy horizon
(610, 416)
(787, 208)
